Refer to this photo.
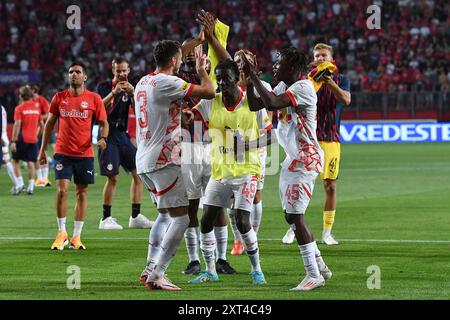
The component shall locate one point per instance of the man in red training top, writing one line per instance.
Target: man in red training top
(76, 109)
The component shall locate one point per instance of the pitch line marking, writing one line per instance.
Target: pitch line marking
(263, 239)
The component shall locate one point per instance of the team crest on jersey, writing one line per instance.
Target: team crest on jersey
(84, 104)
(125, 98)
(109, 166)
(59, 167)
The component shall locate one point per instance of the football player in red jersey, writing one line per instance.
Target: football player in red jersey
(75, 108)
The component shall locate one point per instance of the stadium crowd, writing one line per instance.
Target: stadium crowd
(408, 53)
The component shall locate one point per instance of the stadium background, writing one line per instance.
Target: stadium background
(392, 210)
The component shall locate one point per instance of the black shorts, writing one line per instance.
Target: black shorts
(119, 152)
(82, 169)
(26, 151)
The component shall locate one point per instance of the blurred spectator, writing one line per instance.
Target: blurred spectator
(410, 51)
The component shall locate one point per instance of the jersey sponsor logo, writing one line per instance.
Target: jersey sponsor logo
(74, 114)
(84, 104)
(395, 132)
(225, 150)
(31, 112)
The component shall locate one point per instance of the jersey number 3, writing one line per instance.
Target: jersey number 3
(142, 104)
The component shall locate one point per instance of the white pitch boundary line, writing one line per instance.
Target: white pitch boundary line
(263, 239)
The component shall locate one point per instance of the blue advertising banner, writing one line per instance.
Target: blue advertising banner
(395, 132)
(19, 77)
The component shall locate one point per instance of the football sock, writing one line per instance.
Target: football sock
(234, 228)
(12, 176)
(156, 235)
(30, 185)
(208, 247)
(251, 244)
(308, 253)
(192, 241)
(135, 209)
(170, 244)
(328, 220)
(320, 263)
(61, 224)
(256, 215)
(20, 181)
(39, 174)
(221, 234)
(77, 227)
(45, 172)
(106, 211)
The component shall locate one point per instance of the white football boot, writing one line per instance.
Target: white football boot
(289, 236)
(140, 222)
(309, 283)
(109, 223)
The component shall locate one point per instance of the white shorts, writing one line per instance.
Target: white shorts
(238, 193)
(167, 185)
(5, 151)
(296, 189)
(262, 159)
(196, 168)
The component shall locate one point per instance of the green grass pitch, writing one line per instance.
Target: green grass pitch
(393, 212)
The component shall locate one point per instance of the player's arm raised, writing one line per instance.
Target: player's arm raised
(206, 88)
(208, 22)
(269, 100)
(341, 95)
(193, 43)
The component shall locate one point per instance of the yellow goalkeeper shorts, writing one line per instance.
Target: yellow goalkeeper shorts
(332, 152)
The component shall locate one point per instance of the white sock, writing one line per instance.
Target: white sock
(170, 244)
(308, 252)
(221, 234)
(12, 176)
(155, 238)
(320, 263)
(45, 172)
(20, 181)
(208, 246)
(234, 228)
(192, 242)
(256, 216)
(61, 224)
(31, 184)
(251, 245)
(77, 227)
(39, 173)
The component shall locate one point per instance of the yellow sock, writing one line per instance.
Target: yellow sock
(328, 220)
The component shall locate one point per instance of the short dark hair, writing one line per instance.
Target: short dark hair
(164, 51)
(295, 58)
(119, 60)
(80, 64)
(230, 65)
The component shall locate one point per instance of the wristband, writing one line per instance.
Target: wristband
(104, 138)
